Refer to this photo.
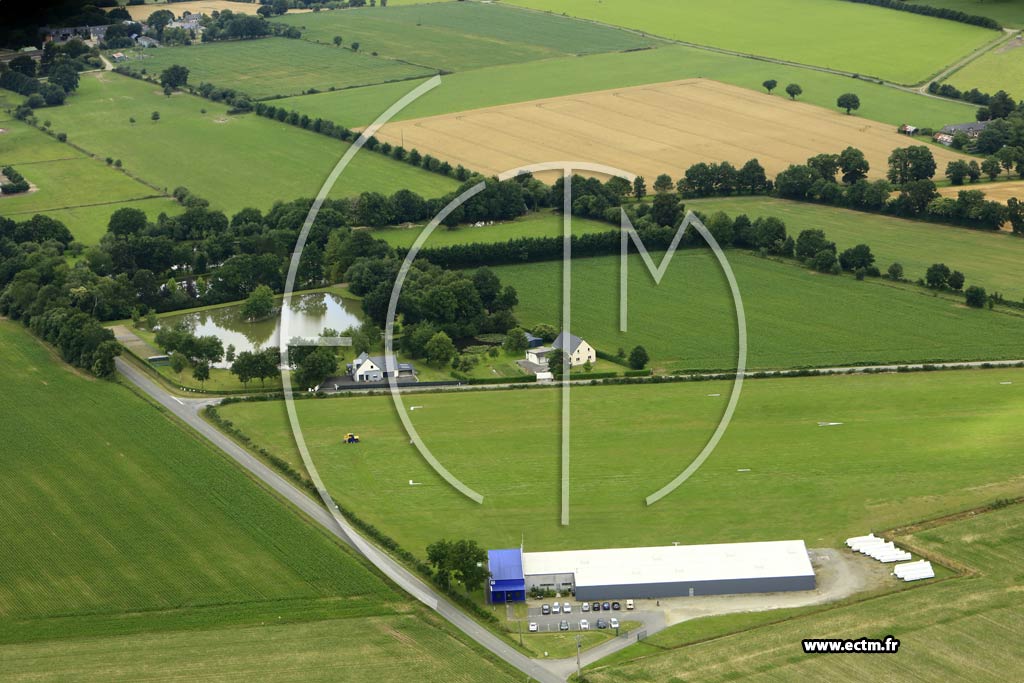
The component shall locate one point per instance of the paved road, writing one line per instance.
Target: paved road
(187, 410)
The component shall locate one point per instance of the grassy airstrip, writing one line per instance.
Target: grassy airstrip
(274, 66)
(957, 630)
(129, 563)
(901, 47)
(994, 260)
(570, 75)
(795, 317)
(910, 446)
(234, 161)
(456, 36)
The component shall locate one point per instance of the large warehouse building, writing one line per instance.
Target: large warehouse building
(657, 572)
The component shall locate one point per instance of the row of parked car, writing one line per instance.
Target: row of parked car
(597, 606)
(563, 625)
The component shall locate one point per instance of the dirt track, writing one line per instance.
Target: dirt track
(661, 128)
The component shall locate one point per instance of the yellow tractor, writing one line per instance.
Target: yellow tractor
(351, 438)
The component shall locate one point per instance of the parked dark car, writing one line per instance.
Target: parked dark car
(545, 609)
(563, 625)
(606, 606)
(596, 607)
(616, 606)
(601, 623)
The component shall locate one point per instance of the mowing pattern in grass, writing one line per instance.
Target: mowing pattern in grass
(234, 161)
(455, 36)
(795, 317)
(566, 76)
(545, 224)
(944, 441)
(275, 66)
(899, 46)
(1000, 69)
(102, 490)
(957, 630)
(366, 650)
(993, 260)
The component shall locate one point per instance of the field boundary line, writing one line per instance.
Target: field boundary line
(86, 206)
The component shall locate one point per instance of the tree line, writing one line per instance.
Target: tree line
(59, 64)
(940, 12)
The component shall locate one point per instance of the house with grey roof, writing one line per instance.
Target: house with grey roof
(971, 130)
(367, 368)
(579, 351)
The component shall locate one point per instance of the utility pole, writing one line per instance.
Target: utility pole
(579, 644)
(520, 633)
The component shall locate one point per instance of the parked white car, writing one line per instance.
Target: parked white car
(629, 604)
(533, 627)
(585, 607)
(584, 625)
(567, 608)
(613, 622)
(556, 608)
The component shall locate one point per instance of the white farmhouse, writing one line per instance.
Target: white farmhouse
(580, 352)
(367, 368)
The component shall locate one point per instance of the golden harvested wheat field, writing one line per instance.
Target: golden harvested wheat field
(999, 192)
(142, 12)
(651, 129)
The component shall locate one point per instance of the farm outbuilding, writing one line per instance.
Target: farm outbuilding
(671, 571)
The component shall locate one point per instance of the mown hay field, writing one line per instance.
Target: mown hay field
(647, 130)
(456, 36)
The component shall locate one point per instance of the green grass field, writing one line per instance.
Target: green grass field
(141, 552)
(900, 46)
(456, 36)
(89, 223)
(911, 446)
(22, 144)
(952, 630)
(1000, 69)
(572, 75)
(795, 317)
(275, 67)
(70, 183)
(1009, 13)
(234, 161)
(366, 650)
(994, 260)
(116, 537)
(543, 224)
